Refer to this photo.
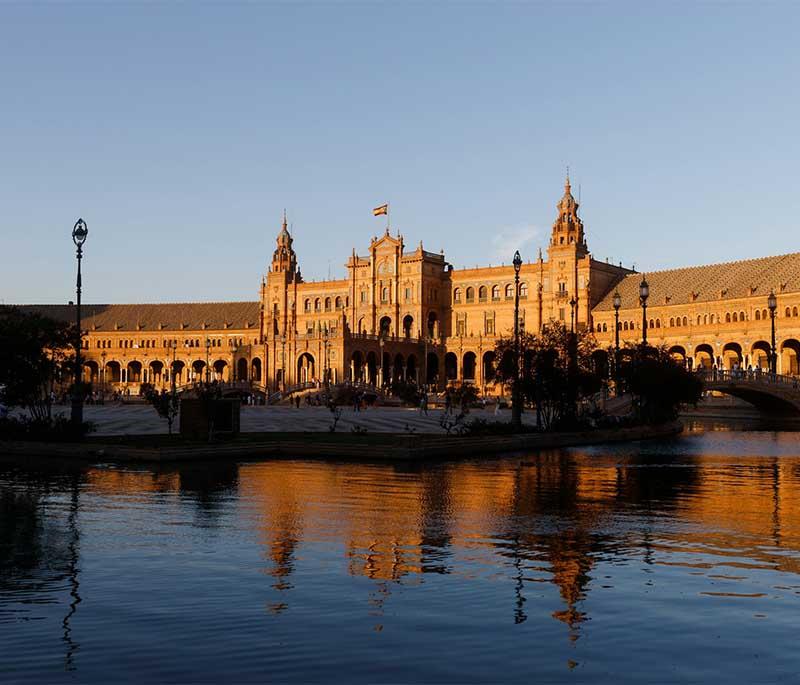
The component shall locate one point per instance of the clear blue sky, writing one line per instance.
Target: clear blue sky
(179, 132)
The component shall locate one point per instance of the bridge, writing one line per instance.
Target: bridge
(766, 391)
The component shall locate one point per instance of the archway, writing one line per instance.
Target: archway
(176, 369)
(156, 372)
(91, 372)
(198, 371)
(112, 373)
(411, 368)
(678, 353)
(306, 368)
(450, 366)
(488, 366)
(398, 371)
(432, 368)
(790, 354)
(704, 356)
(386, 368)
(759, 353)
(732, 355)
(433, 324)
(372, 368)
(255, 370)
(385, 326)
(220, 368)
(468, 368)
(134, 372)
(241, 370)
(356, 367)
(408, 325)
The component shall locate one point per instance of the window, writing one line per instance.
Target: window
(384, 294)
(509, 292)
(758, 315)
(327, 304)
(470, 294)
(408, 294)
(363, 296)
(482, 293)
(457, 295)
(495, 293)
(561, 314)
(338, 303)
(685, 320)
(461, 327)
(307, 305)
(489, 328)
(523, 291)
(317, 305)
(562, 287)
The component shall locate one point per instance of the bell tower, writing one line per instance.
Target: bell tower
(284, 259)
(279, 288)
(568, 227)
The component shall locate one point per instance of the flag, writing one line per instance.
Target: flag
(383, 209)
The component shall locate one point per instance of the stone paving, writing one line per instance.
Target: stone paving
(141, 419)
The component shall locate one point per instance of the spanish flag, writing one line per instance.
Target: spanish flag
(383, 209)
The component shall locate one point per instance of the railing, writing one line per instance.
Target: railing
(747, 376)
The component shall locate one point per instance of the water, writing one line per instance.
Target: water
(675, 560)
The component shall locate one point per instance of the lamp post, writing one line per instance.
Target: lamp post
(617, 300)
(283, 363)
(325, 356)
(516, 405)
(772, 303)
(208, 350)
(644, 293)
(79, 233)
(572, 304)
(380, 363)
(103, 377)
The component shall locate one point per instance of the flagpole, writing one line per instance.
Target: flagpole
(388, 223)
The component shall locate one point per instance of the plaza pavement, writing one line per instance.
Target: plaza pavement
(130, 419)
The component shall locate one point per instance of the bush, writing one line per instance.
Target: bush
(408, 393)
(56, 429)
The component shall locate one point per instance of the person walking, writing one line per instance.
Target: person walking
(448, 403)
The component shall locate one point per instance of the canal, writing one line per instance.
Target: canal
(673, 560)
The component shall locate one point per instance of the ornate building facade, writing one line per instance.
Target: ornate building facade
(403, 313)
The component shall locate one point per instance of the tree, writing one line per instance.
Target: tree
(556, 369)
(165, 403)
(659, 384)
(34, 352)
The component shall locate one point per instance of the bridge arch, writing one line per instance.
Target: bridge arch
(789, 356)
(678, 353)
(704, 356)
(732, 355)
(759, 353)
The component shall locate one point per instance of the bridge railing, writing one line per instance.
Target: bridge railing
(747, 376)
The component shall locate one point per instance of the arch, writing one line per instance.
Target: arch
(468, 366)
(386, 368)
(432, 368)
(385, 328)
(198, 370)
(704, 354)
(470, 294)
(671, 321)
(327, 304)
(113, 372)
(509, 291)
(411, 368)
(450, 366)
(728, 317)
(625, 325)
(408, 325)
(155, 371)
(483, 293)
(523, 290)
(735, 317)
(495, 292)
(241, 370)
(91, 371)
(360, 328)
(758, 315)
(685, 321)
(678, 353)
(456, 295)
(356, 367)
(652, 323)
(372, 368)
(255, 369)
(134, 370)
(731, 355)
(788, 312)
(306, 368)
(220, 369)
(177, 369)
(760, 353)
(307, 305)
(658, 323)
(489, 369)
(789, 356)
(398, 368)
(338, 302)
(433, 322)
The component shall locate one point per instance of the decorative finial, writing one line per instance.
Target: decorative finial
(284, 218)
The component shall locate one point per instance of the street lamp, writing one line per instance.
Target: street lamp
(572, 304)
(103, 376)
(772, 303)
(644, 293)
(516, 405)
(617, 300)
(325, 356)
(79, 233)
(380, 362)
(208, 371)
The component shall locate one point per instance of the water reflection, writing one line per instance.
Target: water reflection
(542, 541)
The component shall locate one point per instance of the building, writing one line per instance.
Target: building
(403, 313)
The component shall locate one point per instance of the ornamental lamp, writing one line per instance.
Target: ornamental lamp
(517, 262)
(772, 301)
(644, 289)
(617, 300)
(79, 232)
